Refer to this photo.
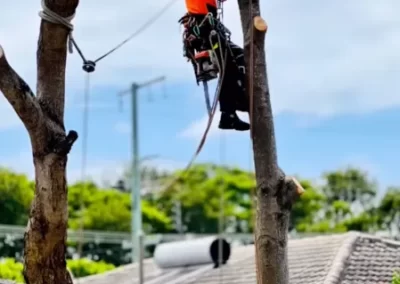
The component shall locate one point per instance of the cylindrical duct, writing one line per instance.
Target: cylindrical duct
(191, 252)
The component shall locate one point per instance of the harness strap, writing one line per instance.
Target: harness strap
(210, 120)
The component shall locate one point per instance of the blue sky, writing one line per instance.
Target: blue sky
(333, 68)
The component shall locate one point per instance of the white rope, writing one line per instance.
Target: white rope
(52, 17)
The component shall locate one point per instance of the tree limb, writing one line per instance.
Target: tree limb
(51, 61)
(275, 192)
(19, 95)
(263, 126)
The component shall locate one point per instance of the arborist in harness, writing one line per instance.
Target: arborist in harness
(208, 46)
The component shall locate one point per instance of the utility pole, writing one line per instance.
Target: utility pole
(177, 209)
(136, 225)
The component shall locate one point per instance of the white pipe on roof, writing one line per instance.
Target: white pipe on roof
(191, 252)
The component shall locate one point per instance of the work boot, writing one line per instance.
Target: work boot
(232, 121)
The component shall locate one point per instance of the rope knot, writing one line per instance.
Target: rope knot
(52, 17)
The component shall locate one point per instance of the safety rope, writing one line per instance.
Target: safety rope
(204, 137)
(140, 30)
(221, 67)
(89, 65)
(48, 15)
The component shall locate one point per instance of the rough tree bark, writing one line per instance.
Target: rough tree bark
(43, 117)
(275, 192)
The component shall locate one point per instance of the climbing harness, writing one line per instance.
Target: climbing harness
(217, 32)
(204, 61)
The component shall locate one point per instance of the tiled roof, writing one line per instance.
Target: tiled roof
(349, 258)
(329, 259)
(372, 261)
(310, 261)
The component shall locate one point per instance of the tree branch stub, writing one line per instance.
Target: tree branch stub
(260, 24)
(299, 188)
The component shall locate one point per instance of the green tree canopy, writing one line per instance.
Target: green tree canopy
(307, 210)
(199, 193)
(351, 185)
(389, 209)
(16, 195)
(110, 210)
(345, 202)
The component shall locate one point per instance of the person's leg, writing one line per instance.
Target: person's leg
(227, 98)
(241, 99)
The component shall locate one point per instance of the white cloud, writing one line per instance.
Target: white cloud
(324, 58)
(196, 129)
(122, 127)
(327, 59)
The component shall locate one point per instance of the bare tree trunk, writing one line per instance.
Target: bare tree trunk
(275, 192)
(43, 117)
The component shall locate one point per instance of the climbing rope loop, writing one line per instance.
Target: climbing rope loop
(221, 68)
(208, 127)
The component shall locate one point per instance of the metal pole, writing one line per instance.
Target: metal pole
(136, 222)
(178, 217)
(136, 200)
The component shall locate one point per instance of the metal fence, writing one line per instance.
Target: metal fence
(105, 237)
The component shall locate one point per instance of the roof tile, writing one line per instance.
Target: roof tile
(349, 258)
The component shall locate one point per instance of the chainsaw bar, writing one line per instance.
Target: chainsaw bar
(207, 97)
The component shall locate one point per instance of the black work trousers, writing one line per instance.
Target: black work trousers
(233, 89)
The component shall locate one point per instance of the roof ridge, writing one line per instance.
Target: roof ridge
(380, 238)
(321, 236)
(341, 257)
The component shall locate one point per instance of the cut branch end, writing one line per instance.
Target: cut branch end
(260, 24)
(64, 147)
(299, 189)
